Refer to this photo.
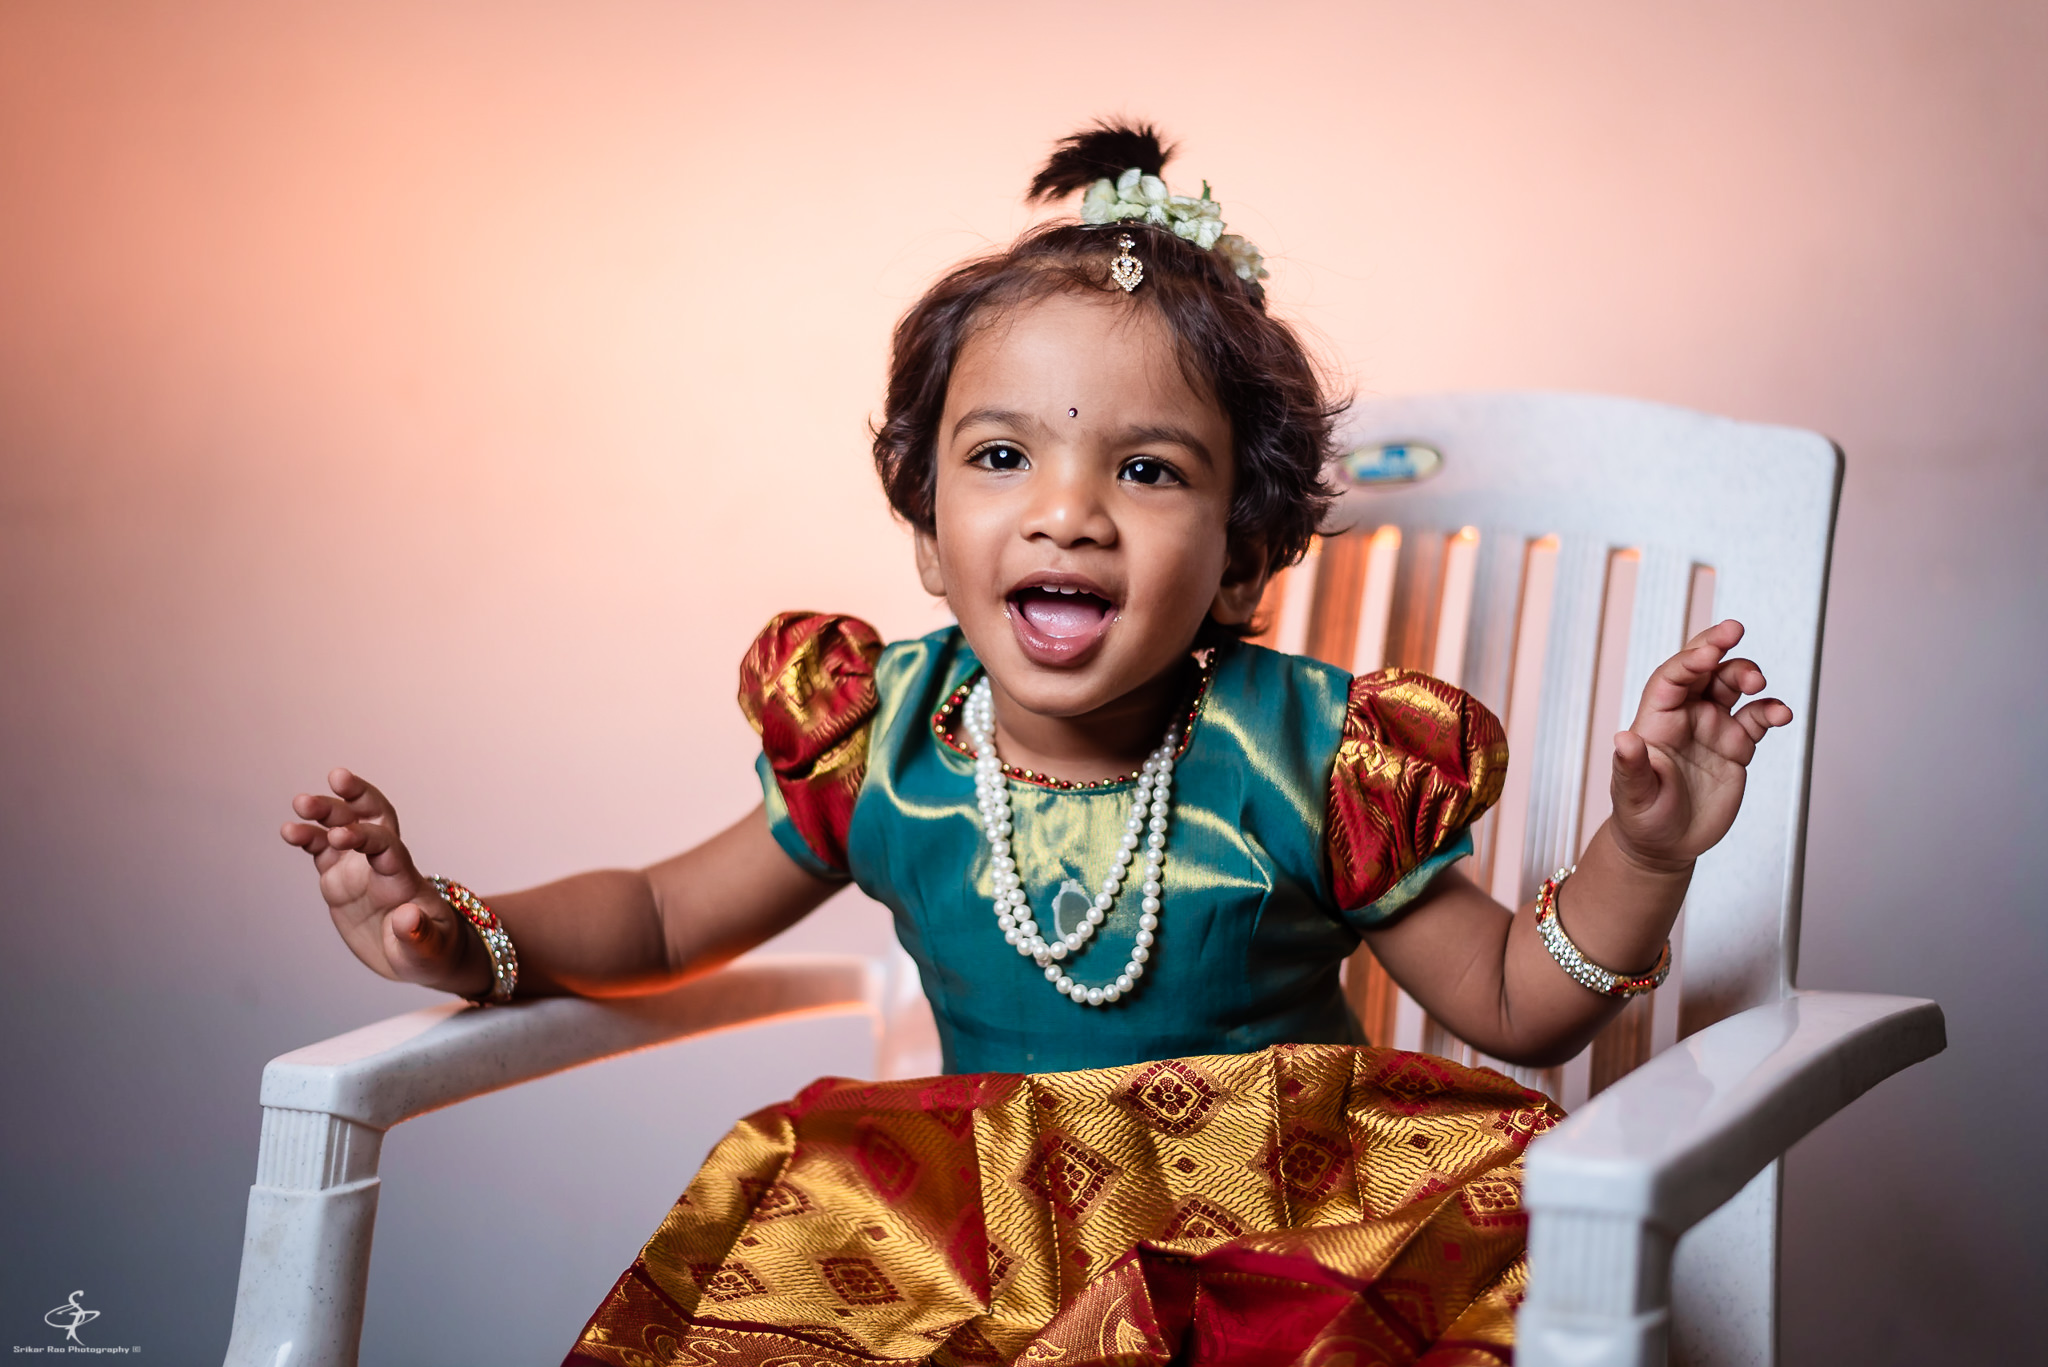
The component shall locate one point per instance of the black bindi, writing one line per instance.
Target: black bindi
(1073, 412)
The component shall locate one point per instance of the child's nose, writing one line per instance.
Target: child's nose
(1068, 509)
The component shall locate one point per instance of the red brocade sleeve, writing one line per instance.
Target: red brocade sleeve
(1420, 761)
(808, 686)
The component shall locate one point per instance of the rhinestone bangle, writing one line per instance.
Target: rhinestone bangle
(497, 944)
(1582, 970)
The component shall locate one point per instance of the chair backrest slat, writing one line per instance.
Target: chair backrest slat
(1498, 561)
(1564, 711)
(1568, 545)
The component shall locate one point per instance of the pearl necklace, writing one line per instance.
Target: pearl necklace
(1145, 828)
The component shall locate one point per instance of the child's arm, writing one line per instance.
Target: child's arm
(607, 933)
(1483, 970)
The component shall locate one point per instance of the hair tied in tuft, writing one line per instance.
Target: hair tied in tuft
(1106, 150)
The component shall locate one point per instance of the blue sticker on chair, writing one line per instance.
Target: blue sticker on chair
(1393, 463)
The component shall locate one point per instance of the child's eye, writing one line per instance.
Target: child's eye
(1000, 456)
(1148, 470)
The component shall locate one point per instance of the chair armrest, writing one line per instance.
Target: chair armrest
(439, 1055)
(1679, 1136)
(1611, 1189)
(306, 1244)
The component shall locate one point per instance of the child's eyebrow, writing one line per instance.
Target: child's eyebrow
(1167, 432)
(993, 417)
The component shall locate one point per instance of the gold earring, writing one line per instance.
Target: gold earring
(1127, 270)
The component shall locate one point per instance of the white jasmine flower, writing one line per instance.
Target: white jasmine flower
(1134, 194)
(1098, 204)
(1185, 208)
(1243, 257)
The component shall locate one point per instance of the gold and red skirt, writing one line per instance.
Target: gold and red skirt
(1310, 1204)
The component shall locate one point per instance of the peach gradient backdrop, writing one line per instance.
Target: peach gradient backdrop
(451, 390)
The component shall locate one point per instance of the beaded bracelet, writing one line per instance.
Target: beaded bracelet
(1584, 971)
(504, 959)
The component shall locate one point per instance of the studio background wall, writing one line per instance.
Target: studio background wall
(451, 391)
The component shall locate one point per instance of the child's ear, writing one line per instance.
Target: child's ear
(929, 572)
(1244, 584)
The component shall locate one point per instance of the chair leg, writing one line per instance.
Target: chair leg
(1724, 1281)
(306, 1246)
(1599, 1292)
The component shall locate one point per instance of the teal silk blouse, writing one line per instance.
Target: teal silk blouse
(1252, 929)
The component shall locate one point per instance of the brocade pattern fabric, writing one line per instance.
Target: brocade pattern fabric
(1302, 1205)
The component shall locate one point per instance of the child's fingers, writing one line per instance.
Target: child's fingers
(379, 842)
(1680, 679)
(1635, 780)
(415, 936)
(328, 811)
(1733, 680)
(362, 796)
(1692, 670)
(1724, 636)
(1705, 650)
(304, 834)
(1760, 716)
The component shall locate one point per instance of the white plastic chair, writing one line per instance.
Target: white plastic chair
(1561, 551)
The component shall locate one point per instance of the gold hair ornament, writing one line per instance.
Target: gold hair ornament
(1127, 270)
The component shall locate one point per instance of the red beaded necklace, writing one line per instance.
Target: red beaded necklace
(944, 722)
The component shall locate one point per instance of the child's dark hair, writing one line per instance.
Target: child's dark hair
(1281, 418)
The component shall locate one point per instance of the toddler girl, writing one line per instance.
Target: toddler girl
(1129, 852)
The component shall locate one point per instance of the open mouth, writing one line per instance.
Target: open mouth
(1058, 622)
(1062, 614)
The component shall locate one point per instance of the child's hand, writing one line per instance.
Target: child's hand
(387, 913)
(1679, 770)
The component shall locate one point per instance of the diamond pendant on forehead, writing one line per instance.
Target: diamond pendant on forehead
(1074, 913)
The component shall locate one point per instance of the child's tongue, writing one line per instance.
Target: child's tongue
(1062, 615)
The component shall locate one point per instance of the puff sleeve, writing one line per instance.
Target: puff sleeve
(1419, 762)
(807, 685)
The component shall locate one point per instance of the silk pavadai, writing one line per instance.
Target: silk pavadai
(1301, 1205)
(1212, 1171)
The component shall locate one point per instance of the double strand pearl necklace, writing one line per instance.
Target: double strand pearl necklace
(1144, 829)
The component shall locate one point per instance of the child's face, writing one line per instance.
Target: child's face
(1081, 499)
